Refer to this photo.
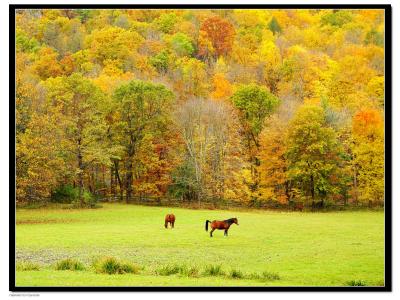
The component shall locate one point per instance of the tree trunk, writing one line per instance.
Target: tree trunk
(80, 174)
(91, 179)
(128, 179)
(355, 186)
(312, 187)
(112, 187)
(121, 188)
(129, 165)
(103, 171)
(287, 191)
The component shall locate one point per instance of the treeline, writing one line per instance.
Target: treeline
(283, 106)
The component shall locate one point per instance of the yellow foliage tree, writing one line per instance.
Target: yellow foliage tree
(222, 87)
(368, 152)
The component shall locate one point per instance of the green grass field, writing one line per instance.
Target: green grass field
(300, 249)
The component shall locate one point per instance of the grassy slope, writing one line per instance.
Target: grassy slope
(303, 248)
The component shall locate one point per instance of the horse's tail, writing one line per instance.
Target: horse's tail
(207, 224)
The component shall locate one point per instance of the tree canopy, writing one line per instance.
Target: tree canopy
(254, 106)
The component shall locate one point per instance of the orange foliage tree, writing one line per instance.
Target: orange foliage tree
(220, 33)
(368, 156)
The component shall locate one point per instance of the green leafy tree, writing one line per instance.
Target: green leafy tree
(142, 107)
(161, 61)
(24, 43)
(255, 103)
(337, 18)
(374, 37)
(274, 26)
(181, 44)
(166, 22)
(313, 153)
(76, 102)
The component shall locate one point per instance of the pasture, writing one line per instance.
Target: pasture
(266, 249)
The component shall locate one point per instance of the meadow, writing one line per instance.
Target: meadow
(266, 249)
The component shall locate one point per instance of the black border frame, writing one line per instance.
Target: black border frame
(388, 148)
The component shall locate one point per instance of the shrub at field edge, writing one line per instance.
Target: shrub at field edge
(69, 264)
(111, 265)
(27, 266)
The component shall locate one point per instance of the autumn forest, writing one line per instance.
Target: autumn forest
(260, 107)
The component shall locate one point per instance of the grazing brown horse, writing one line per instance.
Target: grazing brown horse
(221, 225)
(170, 218)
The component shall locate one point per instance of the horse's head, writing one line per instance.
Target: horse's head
(235, 221)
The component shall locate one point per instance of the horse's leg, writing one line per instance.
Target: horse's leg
(226, 232)
(211, 232)
(172, 224)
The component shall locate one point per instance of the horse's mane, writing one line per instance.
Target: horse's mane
(230, 221)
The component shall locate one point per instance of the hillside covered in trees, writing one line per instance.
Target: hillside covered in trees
(254, 106)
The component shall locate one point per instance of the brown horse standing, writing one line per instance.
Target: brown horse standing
(221, 225)
(170, 218)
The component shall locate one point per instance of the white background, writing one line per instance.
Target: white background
(4, 163)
